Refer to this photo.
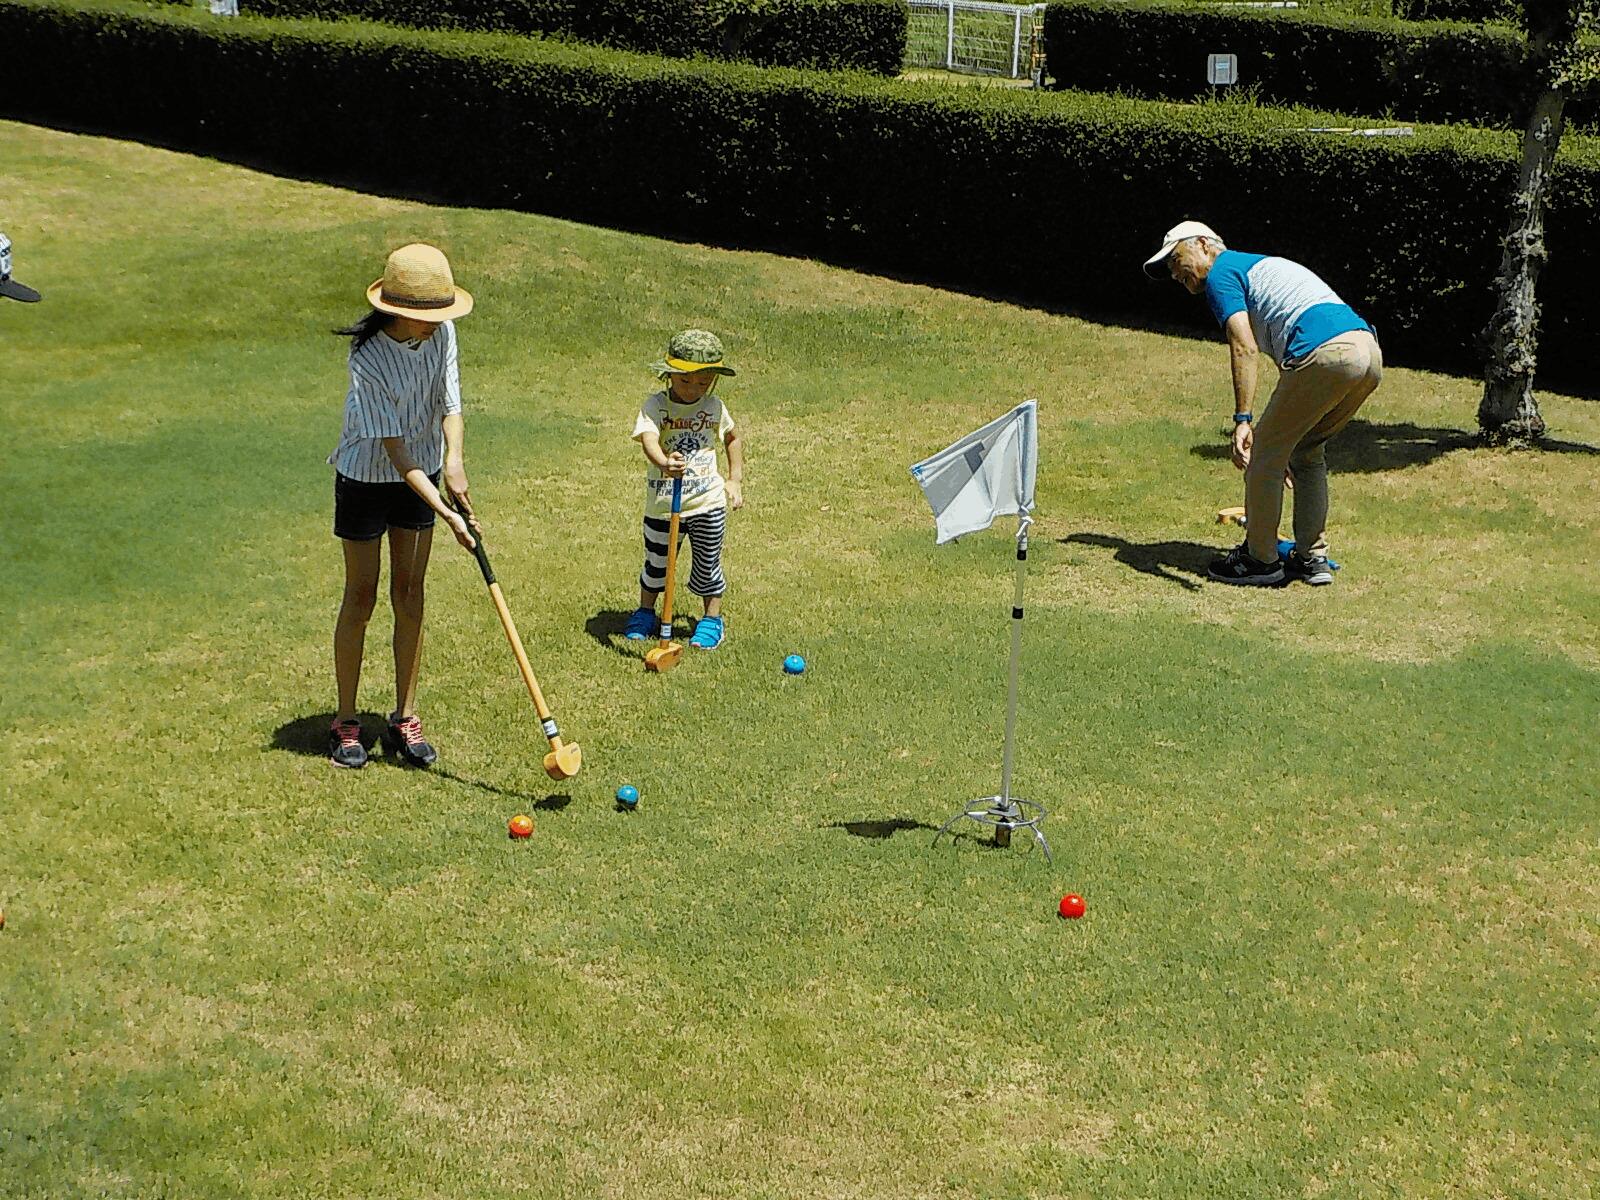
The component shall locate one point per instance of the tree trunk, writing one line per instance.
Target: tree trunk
(1509, 412)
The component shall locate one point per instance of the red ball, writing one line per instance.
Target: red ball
(520, 826)
(1072, 906)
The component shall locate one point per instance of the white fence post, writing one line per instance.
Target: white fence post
(1016, 43)
(950, 39)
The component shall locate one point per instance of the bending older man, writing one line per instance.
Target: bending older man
(1329, 362)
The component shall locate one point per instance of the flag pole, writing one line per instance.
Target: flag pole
(1006, 812)
(1002, 833)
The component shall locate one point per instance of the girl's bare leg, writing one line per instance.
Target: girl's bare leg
(408, 565)
(362, 562)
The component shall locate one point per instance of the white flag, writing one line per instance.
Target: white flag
(987, 474)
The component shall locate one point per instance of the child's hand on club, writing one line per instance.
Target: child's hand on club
(676, 463)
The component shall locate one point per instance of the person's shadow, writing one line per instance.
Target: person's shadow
(309, 736)
(1172, 561)
(606, 627)
(1363, 447)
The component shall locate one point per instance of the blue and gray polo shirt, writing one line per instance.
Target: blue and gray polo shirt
(1291, 310)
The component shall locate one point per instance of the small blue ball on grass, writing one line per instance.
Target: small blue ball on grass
(627, 795)
(793, 665)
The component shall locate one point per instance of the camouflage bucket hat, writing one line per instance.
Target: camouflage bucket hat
(690, 351)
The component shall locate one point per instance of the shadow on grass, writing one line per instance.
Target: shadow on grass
(606, 627)
(1364, 447)
(1172, 561)
(552, 803)
(881, 829)
(309, 736)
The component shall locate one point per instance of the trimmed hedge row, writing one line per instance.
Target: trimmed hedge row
(1053, 199)
(1459, 10)
(829, 35)
(1420, 72)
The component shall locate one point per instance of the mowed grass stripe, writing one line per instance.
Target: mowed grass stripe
(1339, 847)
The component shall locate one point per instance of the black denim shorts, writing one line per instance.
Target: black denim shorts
(362, 511)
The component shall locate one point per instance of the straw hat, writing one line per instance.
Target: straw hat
(417, 283)
(690, 351)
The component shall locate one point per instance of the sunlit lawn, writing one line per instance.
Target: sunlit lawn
(1339, 846)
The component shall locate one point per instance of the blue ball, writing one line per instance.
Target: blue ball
(793, 665)
(628, 795)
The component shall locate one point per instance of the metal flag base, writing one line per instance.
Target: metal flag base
(1004, 816)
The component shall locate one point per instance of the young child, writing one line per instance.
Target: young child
(402, 428)
(679, 429)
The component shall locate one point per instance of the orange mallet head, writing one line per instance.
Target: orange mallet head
(664, 657)
(563, 763)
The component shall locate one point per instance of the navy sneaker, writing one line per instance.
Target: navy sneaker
(1318, 572)
(1239, 567)
(405, 739)
(641, 625)
(344, 744)
(707, 633)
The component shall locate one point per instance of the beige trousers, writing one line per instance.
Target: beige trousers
(1312, 402)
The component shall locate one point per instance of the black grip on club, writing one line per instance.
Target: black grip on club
(483, 558)
(478, 551)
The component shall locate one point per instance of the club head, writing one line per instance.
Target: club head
(1230, 516)
(563, 763)
(663, 658)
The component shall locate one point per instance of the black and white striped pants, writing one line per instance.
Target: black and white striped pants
(705, 540)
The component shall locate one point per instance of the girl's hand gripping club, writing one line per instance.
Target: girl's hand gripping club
(564, 758)
(665, 656)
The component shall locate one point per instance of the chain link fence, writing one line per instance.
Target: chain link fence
(977, 37)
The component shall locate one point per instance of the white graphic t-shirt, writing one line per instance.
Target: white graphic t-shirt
(695, 431)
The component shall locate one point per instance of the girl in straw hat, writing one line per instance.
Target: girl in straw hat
(402, 434)
(679, 429)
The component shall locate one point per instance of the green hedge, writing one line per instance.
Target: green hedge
(867, 35)
(1416, 72)
(1051, 199)
(1459, 10)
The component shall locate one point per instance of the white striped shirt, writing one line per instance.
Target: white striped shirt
(397, 390)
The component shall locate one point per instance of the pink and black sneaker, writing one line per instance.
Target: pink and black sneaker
(344, 744)
(404, 737)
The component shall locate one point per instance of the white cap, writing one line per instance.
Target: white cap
(1182, 231)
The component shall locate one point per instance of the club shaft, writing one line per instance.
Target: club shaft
(506, 623)
(672, 561)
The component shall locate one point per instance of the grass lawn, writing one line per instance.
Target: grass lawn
(1341, 847)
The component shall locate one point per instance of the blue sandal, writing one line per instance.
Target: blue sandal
(707, 633)
(642, 624)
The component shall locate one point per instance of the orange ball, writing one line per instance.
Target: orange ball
(520, 826)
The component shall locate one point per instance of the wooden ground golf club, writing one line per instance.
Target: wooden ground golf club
(564, 758)
(665, 656)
